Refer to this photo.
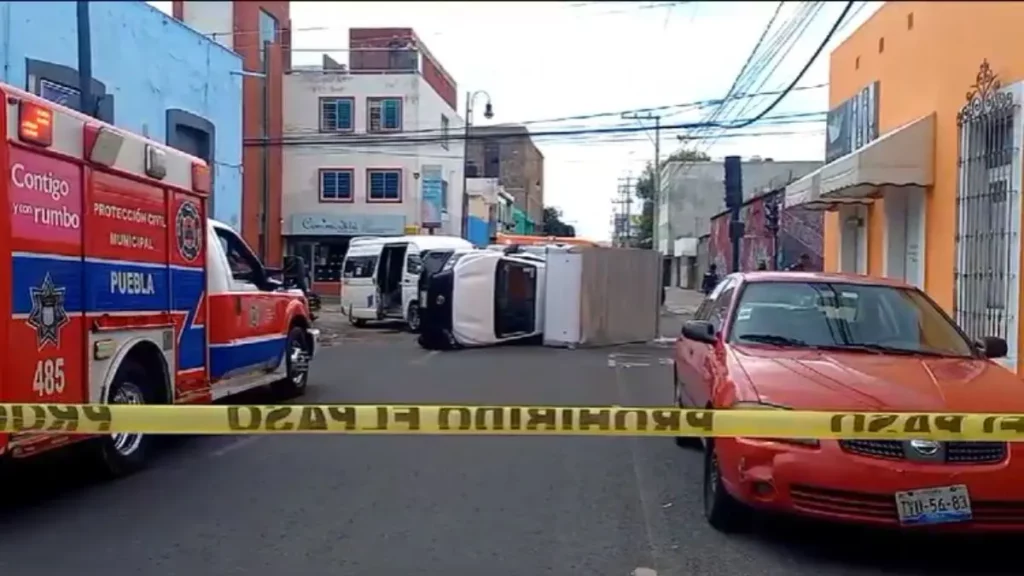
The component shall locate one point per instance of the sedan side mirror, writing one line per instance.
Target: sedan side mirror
(993, 347)
(699, 331)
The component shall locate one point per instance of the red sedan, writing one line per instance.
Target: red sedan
(811, 341)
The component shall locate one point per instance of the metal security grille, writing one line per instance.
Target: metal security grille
(988, 210)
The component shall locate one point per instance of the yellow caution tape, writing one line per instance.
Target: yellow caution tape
(503, 420)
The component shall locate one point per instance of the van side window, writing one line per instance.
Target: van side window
(515, 295)
(360, 266)
(414, 264)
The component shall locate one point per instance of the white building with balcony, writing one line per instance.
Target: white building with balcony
(369, 149)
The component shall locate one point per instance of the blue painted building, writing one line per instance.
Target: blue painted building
(152, 75)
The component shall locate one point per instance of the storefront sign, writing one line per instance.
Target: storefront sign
(432, 191)
(853, 124)
(347, 225)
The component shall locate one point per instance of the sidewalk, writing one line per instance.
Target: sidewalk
(682, 301)
(680, 306)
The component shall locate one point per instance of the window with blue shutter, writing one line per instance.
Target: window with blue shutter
(384, 115)
(384, 185)
(336, 185)
(336, 114)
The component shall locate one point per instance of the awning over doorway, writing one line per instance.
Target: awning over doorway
(806, 193)
(901, 157)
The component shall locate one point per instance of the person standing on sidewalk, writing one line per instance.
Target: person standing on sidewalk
(710, 279)
(803, 264)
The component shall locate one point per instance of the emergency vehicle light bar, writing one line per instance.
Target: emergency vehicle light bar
(201, 178)
(156, 162)
(35, 123)
(102, 145)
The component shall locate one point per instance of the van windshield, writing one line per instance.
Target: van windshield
(433, 260)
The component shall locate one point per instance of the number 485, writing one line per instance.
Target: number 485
(49, 377)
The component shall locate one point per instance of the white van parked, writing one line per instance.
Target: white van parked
(380, 276)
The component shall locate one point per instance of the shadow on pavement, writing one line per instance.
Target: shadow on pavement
(73, 471)
(888, 550)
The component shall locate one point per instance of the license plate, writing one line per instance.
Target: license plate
(934, 505)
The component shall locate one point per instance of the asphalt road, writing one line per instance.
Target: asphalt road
(311, 506)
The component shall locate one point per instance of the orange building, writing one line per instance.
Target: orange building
(922, 178)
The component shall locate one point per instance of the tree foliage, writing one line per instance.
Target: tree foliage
(645, 192)
(554, 226)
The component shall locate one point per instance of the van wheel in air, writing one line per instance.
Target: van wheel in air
(296, 365)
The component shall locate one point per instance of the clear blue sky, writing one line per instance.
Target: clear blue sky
(544, 60)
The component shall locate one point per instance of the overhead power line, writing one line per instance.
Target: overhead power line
(746, 65)
(414, 140)
(691, 105)
(776, 53)
(807, 66)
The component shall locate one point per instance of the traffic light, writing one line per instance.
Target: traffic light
(771, 215)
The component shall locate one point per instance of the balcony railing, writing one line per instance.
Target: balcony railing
(365, 61)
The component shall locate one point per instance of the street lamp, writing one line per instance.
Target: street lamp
(488, 113)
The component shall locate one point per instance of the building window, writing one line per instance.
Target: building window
(59, 93)
(59, 84)
(385, 115)
(197, 136)
(268, 31)
(383, 185)
(445, 135)
(492, 159)
(336, 185)
(336, 114)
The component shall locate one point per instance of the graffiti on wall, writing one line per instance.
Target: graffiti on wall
(801, 231)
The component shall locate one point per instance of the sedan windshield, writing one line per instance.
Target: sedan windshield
(867, 318)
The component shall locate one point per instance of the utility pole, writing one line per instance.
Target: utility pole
(623, 214)
(85, 99)
(655, 215)
(657, 173)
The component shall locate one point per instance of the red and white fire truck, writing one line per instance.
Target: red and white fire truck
(120, 290)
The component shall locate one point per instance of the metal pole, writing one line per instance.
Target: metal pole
(656, 212)
(85, 60)
(657, 179)
(668, 222)
(465, 165)
(627, 192)
(265, 153)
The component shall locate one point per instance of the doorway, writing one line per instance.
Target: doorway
(853, 239)
(904, 235)
(389, 278)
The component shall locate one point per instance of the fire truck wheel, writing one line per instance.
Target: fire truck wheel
(123, 453)
(296, 364)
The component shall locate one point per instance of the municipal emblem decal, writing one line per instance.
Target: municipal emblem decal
(188, 231)
(48, 315)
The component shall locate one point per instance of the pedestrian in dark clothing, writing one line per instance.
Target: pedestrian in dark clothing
(710, 280)
(803, 264)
